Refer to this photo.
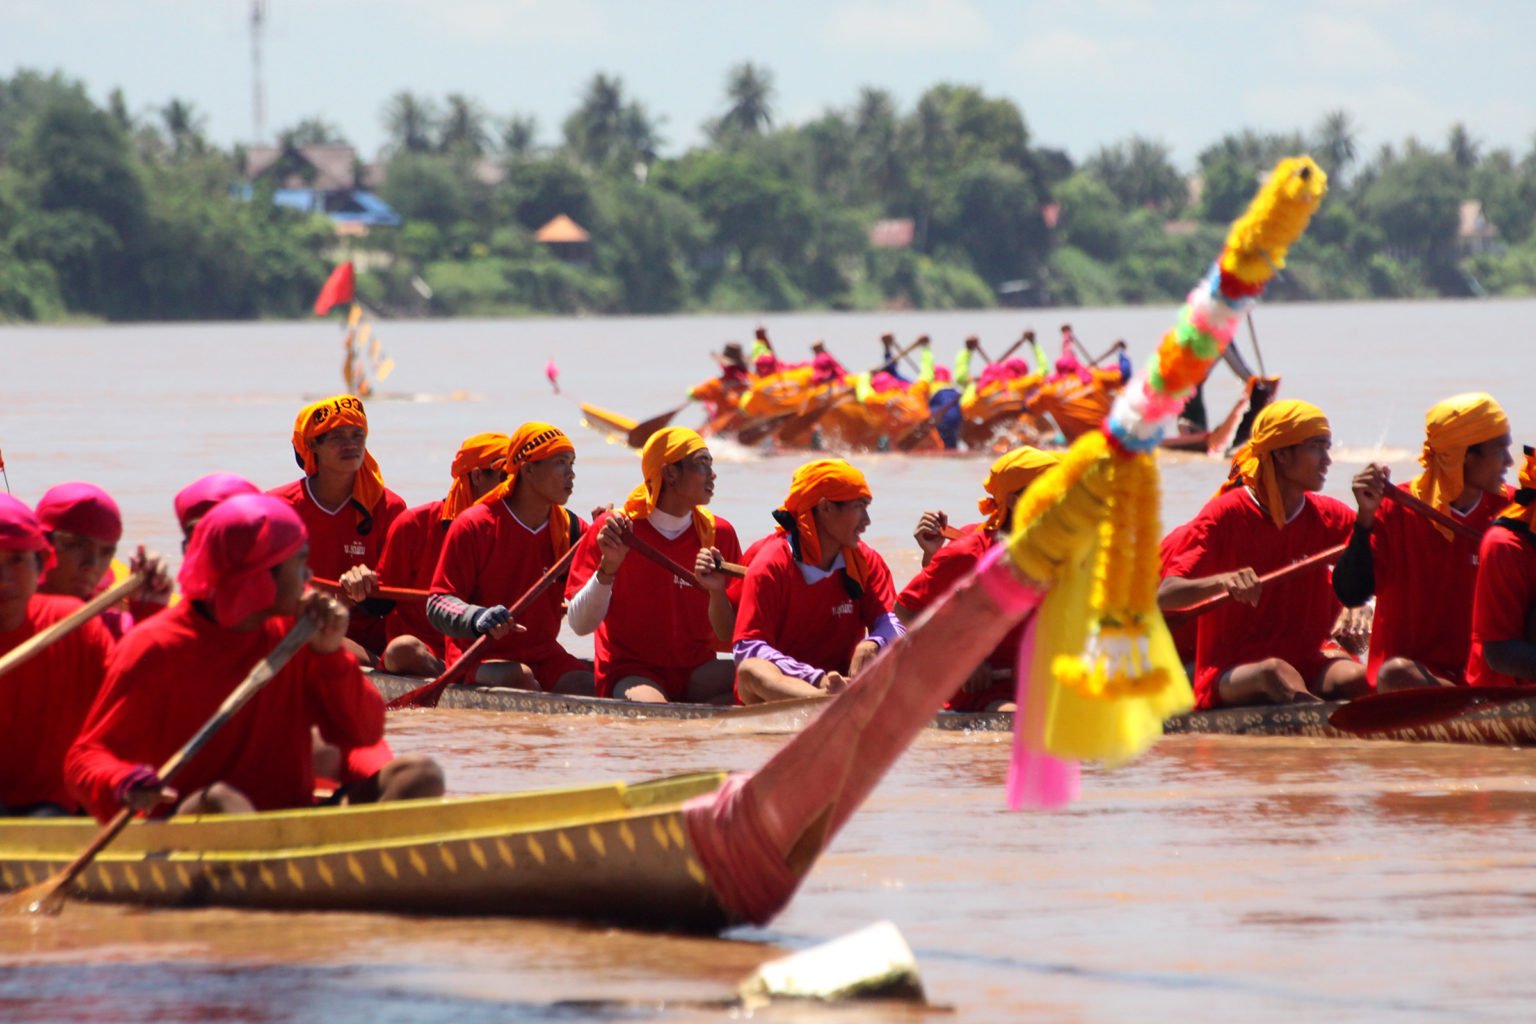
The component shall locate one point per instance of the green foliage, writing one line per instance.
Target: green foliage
(1091, 218)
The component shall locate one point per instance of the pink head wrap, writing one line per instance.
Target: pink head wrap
(81, 508)
(883, 381)
(233, 551)
(194, 500)
(19, 528)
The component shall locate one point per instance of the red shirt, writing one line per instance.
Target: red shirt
(410, 557)
(336, 544)
(170, 674)
(1504, 596)
(654, 619)
(44, 701)
(1424, 588)
(1294, 616)
(1184, 633)
(949, 565)
(818, 623)
(491, 558)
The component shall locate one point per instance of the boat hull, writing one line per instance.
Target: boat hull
(613, 852)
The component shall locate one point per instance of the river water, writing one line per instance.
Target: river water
(1213, 879)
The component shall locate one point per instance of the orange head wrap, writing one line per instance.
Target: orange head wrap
(1523, 508)
(535, 442)
(664, 448)
(483, 451)
(1450, 428)
(834, 480)
(1011, 474)
(324, 416)
(1279, 425)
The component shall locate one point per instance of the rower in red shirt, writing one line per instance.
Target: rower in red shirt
(43, 701)
(1424, 574)
(657, 636)
(496, 551)
(991, 686)
(83, 527)
(243, 578)
(1266, 646)
(344, 505)
(816, 601)
(1503, 652)
(411, 552)
(1184, 633)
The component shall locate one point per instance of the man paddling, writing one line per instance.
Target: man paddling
(1423, 574)
(1266, 646)
(43, 701)
(497, 550)
(816, 602)
(1503, 649)
(991, 686)
(343, 503)
(244, 580)
(83, 527)
(657, 636)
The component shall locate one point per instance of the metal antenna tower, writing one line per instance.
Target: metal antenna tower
(258, 88)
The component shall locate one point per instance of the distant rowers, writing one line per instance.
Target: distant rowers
(44, 700)
(658, 636)
(411, 553)
(1503, 650)
(991, 686)
(83, 527)
(497, 550)
(344, 504)
(1266, 646)
(722, 394)
(816, 602)
(244, 578)
(1423, 574)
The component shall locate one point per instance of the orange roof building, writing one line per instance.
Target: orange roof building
(562, 231)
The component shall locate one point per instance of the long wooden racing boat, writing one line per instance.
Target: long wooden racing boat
(1510, 724)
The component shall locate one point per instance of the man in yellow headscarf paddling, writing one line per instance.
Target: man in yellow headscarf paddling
(658, 635)
(497, 550)
(991, 687)
(1266, 646)
(816, 601)
(1503, 652)
(1422, 573)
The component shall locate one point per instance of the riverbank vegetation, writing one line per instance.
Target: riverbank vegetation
(132, 215)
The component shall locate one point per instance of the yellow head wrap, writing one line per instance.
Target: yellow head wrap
(1451, 427)
(535, 442)
(664, 448)
(834, 480)
(1011, 474)
(1523, 508)
(483, 451)
(324, 416)
(1279, 425)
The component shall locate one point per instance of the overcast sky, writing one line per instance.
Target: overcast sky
(1084, 72)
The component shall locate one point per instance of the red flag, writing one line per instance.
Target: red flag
(338, 289)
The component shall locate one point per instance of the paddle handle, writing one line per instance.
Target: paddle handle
(646, 549)
(33, 646)
(1434, 515)
(428, 694)
(1200, 608)
(249, 687)
(386, 593)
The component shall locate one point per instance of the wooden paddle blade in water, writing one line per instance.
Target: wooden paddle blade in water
(643, 430)
(752, 433)
(1408, 709)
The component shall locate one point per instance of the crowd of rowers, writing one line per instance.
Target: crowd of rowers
(908, 397)
(89, 717)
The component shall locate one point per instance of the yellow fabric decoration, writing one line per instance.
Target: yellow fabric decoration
(1259, 239)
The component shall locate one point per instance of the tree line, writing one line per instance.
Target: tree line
(117, 214)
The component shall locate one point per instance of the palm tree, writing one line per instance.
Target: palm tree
(185, 127)
(878, 158)
(463, 128)
(749, 89)
(1336, 142)
(1463, 147)
(605, 129)
(518, 135)
(411, 122)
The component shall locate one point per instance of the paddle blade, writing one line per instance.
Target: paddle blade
(752, 433)
(642, 431)
(1410, 709)
(602, 419)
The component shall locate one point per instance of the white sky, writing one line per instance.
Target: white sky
(1085, 72)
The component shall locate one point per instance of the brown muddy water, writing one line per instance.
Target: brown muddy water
(1214, 879)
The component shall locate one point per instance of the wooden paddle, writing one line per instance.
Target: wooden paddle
(48, 895)
(644, 548)
(643, 430)
(1177, 615)
(1408, 709)
(1433, 514)
(35, 645)
(784, 424)
(611, 421)
(384, 593)
(806, 418)
(754, 432)
(428, 695)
